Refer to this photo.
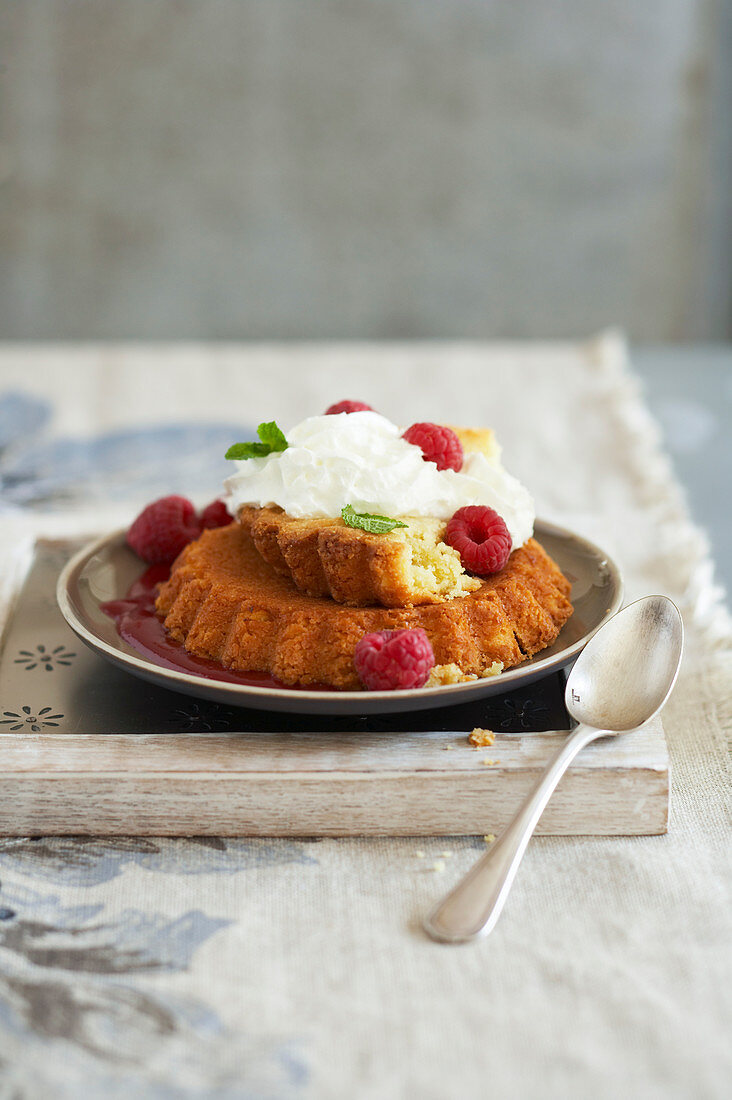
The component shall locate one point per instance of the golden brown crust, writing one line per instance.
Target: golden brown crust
(362, 569)
(225, 602)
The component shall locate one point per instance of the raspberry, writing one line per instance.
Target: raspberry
(390, 659)
(163, 528)
(215, 514)
(480, 537)
(438, 443)
(347, 407)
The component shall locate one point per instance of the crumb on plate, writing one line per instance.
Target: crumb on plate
(442, 675)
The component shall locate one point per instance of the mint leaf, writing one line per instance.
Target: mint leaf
(247, 450)
(272, 439)
(271, 436)
(375, 525)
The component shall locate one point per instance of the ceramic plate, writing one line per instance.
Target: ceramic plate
(106, 569)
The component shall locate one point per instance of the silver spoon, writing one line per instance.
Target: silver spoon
(621, 679)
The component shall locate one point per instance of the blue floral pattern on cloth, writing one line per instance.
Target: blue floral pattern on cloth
(85, 978)
(86, 861)
(134, 462)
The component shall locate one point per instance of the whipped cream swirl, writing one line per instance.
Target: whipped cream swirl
(361, 459)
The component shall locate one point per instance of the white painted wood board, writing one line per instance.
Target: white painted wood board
(322, 784)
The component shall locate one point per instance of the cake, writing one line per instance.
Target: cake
(223, 601)
(350, 536)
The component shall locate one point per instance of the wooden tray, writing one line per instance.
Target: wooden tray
(87, 749)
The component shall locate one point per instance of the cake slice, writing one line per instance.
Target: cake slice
(408, 566)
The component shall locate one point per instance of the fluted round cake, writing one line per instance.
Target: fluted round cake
(223, 601)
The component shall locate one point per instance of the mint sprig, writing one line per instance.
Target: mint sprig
(271, 439)
(375, 525)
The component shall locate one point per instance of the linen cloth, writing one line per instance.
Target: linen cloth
(297, 968)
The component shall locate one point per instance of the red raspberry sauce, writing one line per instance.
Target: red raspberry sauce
(140, 627)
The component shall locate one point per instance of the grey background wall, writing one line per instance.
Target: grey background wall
(365, 168)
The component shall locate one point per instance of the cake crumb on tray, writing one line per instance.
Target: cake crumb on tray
(480, 738)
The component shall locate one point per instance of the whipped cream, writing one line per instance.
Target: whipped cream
(361, 459)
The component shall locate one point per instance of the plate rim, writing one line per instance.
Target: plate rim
(249, 694)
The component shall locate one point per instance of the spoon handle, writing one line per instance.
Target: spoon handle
(472, 908)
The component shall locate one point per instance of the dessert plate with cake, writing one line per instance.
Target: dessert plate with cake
(351, 566)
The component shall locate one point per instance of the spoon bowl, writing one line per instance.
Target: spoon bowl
(625, 673)
(621, 679)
